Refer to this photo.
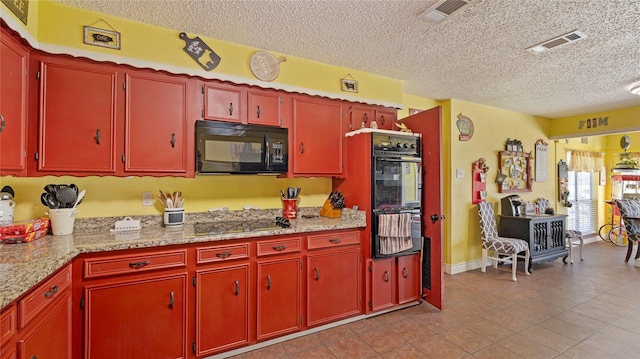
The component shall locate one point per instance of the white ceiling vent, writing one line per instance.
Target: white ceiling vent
(443, 8)
(568, 38)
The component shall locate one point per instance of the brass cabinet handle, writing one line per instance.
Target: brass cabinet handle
(279, 248)
(386, 276)
(268, 282)
(230, 108)
(317, 275)
(98, 136)
(382, 119)
(405, 272)
(51, 292)
(2, 123)
(258, 111)
(366, 118)
(138, 265)
(223, 255)
(172, 299)
(237, 288)
(173, 140)
(335, 240)
(301, 147)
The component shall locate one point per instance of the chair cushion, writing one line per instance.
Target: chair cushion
(505, 245)
(571, 233)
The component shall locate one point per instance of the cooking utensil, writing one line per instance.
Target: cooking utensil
(66, 196)
(80, 197)
(74, 187)
(51, 201)
(50, 188)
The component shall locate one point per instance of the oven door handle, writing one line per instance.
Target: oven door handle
(399, 160)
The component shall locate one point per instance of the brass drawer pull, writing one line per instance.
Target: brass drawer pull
(405, 272)
(279, 248)
(386, 276)
(335, 240)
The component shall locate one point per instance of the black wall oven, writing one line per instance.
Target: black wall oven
(396, 176)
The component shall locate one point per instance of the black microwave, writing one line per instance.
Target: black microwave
(225, 147)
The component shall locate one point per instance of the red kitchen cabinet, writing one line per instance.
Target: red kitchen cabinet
(383, 289)
(156, 123)
(44, 319)
(264, 107)
(222, 308)
(317, 137)
(50, 335)
(360, 116)
(279, 281)
(394, 281)
(386, 118)
(77, 117)
(8, 332)
(14, 60)
(223, 102)
(144, 317)
(409, 278)
(333, 277)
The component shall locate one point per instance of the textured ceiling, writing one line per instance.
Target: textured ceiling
(477, 54)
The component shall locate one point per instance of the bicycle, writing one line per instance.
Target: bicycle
(614, 231)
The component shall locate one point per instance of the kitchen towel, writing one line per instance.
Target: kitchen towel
(394, 231)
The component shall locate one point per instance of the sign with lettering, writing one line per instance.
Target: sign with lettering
(19, 8)
(593, 122)
(200, 52)
(101, 37)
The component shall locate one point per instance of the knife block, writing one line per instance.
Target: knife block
(328, 211)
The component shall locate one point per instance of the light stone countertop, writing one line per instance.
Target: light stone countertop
(22, 266)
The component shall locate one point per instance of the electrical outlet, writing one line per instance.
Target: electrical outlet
(459, 173)
(147, 198)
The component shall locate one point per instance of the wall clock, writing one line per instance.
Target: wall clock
(265, 66)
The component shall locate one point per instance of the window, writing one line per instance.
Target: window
(583, 213)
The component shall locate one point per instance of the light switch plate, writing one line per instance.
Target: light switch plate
(459, 173)
(147, 198)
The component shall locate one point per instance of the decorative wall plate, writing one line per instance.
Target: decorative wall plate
(265, 66)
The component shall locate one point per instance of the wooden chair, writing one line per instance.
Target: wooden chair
(503, 249)
(630, 213)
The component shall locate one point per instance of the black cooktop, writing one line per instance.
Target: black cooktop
(223, 227)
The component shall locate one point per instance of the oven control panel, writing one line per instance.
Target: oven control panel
(405, 145)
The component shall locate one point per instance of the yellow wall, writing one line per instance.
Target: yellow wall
(608, 122)
(58, 29)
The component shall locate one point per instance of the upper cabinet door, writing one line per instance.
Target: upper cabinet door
(156, 123)
(13, 106)
(386, 118)
(223, 102)
(264, 108)
(360, 117)
(317, 137)
(77, 117)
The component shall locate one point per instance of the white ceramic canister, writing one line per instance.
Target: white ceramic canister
(6, 211)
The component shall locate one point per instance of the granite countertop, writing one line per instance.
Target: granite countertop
(23, 266)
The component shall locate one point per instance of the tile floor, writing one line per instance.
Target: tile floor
(589, 309)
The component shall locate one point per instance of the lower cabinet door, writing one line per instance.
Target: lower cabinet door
(278, 297)
(136, 319)
(409, 278)
(333, 290)
(222, 308)
(50, 334)
(382, 283)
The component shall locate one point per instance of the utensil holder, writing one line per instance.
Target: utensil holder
(290, 208)
(328, 211)
(173, 217)
(62, 220)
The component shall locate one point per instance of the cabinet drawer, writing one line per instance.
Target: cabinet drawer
(278, 246)
(42, 295)
(332, 240)
(8, 325)
(134, 263)
(222, 253)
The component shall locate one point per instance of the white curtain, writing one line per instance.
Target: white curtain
(586, 161)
